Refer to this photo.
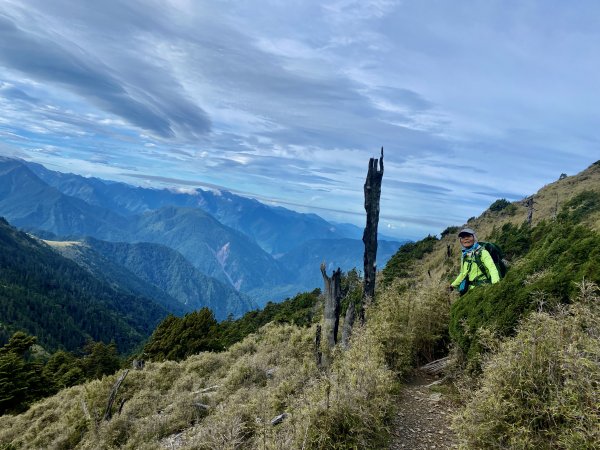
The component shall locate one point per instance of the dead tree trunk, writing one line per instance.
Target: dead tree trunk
(529, 202)
(113, 395)
(333, 295)
(372, 190)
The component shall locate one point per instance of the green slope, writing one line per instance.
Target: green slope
(51, 297)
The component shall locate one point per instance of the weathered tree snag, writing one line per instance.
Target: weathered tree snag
(529, 202)
(279, 419)
(138, 364)
(348, 324)
(372, 190)
(331, 322)
(436, 367)
(113, 395)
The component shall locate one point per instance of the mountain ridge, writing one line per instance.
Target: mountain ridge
(187, 223)
(172, 273)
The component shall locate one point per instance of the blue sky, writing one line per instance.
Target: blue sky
(286, 101)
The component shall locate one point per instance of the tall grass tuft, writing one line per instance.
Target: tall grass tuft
(411, 324)
(542, 387)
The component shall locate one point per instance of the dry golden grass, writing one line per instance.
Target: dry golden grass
(267, 374)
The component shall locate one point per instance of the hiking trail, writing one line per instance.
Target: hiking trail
(423, 417)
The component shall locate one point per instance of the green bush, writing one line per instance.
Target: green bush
(515, 241)
(450, 230)
(299, 310)
(401, 263)
(560, 252)
(176, 338)
(541, 389)
(499, 205)
(580, 207)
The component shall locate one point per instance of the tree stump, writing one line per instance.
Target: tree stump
(529, 202)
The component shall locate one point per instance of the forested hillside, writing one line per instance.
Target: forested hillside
(524, 355)
(63, 305)
(158, 272)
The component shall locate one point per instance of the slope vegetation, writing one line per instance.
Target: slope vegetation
(266, 391)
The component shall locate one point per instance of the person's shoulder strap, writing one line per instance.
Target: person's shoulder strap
(477, 257)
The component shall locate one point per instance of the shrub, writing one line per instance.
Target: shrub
(352, 406)
(450, 230)
(177, 338)
(514, 240)
(541, 389)
(580, 207)
(499, 205)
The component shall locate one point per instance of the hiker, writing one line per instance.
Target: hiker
(477, 266)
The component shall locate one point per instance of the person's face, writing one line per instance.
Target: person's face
(467, 240)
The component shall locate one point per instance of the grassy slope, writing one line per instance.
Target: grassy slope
(273, 371)
(267, 374)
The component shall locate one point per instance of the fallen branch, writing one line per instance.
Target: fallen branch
(207, 390)
(435, 367)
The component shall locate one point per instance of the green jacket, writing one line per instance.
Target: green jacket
(476, 276)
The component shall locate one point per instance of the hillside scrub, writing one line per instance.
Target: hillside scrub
(176, 338)
(541, 389)
(400, 265)
(26, 377)
(268, 373)
(560, 252)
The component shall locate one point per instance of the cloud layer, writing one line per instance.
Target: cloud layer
(286, 101)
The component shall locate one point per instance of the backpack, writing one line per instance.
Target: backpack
(497, 257)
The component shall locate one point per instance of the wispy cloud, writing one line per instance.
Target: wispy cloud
(287, 100)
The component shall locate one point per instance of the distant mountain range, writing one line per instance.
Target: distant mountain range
(265, 252)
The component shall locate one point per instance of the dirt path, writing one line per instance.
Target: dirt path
(423, 420)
